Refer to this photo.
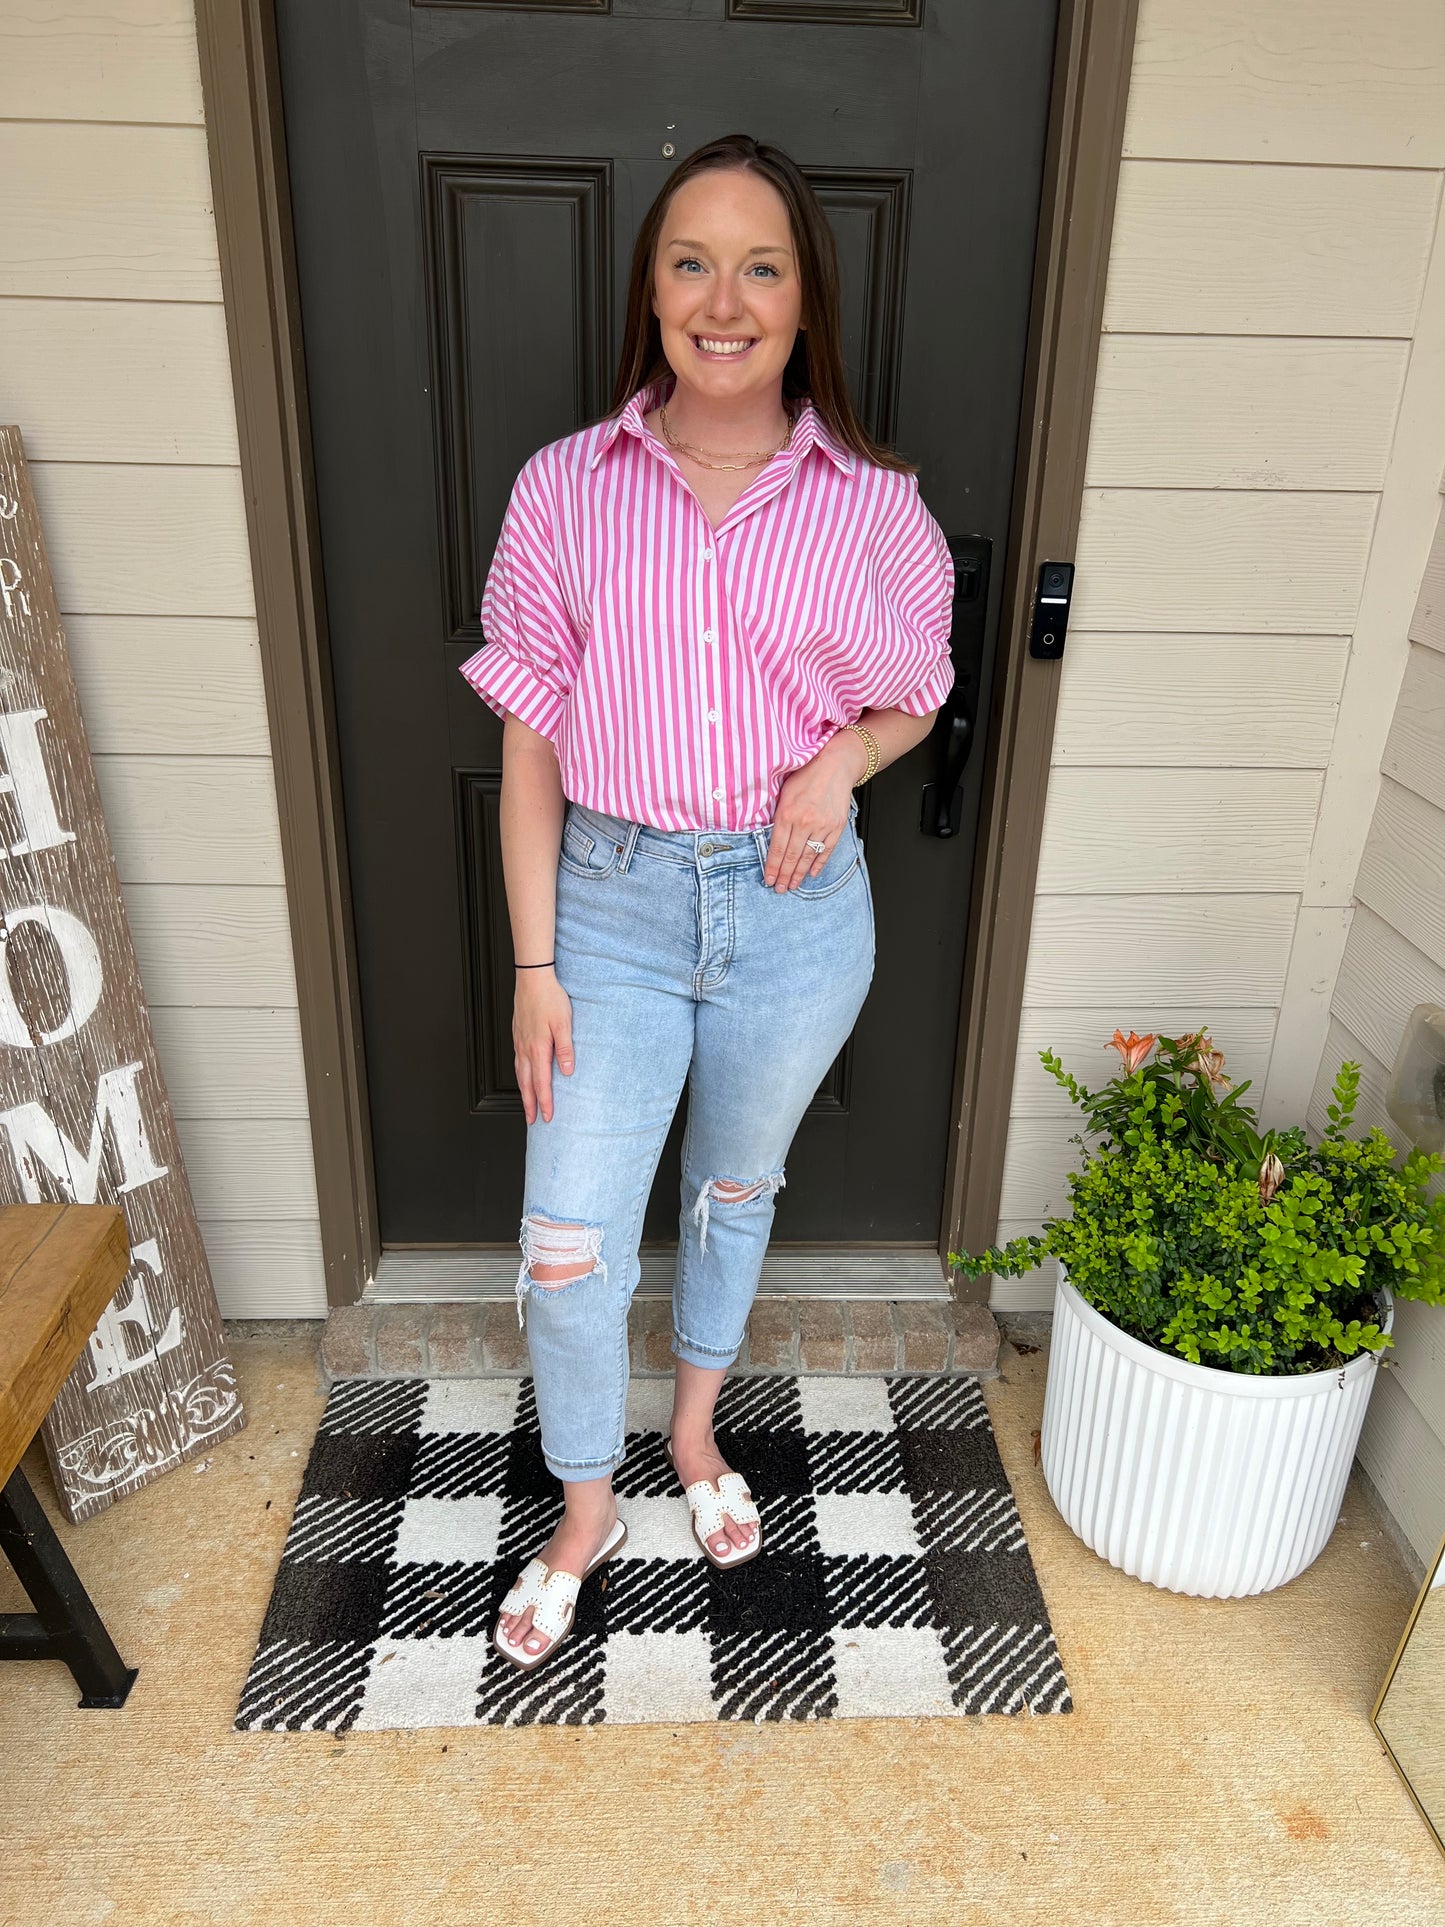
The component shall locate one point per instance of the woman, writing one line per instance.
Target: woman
(709, 618)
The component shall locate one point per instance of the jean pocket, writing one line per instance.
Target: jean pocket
(843, 863)
(586, 850)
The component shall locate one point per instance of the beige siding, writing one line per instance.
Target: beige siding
(1217, 561)
(1176, 830)
(209, 668)
(119, 60)
(1412, 755)
(107, 212)
(191, 819)
(1224, 411)
(1257, 515)
(113, 360)
(1395, 959)
(159, 541)
(1300, 80)
(1268, 250)
(1382, 978)
(146, 381)
(1133, 701)
(1402, 877)
(1224, 952)
(212, 945)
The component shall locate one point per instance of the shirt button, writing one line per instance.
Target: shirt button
(709, 635)
(707, 555)
(712, 715)
(717, 796)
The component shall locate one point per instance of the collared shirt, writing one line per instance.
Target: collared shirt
(682, 672)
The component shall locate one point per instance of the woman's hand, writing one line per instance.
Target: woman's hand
(541, 1023)
(814, 802)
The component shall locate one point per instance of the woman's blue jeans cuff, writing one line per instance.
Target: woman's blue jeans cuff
(579, 1474)
(707, 1361)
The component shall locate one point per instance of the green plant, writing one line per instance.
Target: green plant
(1249, 1250)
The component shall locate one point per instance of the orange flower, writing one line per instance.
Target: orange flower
(1133, 1049)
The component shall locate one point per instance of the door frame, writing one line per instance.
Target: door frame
(240, 79)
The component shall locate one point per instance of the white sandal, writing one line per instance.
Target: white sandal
(709, 1503)
(554, 1596)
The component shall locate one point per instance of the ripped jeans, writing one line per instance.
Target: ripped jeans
(683, 969)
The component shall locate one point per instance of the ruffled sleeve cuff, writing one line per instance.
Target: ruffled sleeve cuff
(933, 694)
(915, 580)
(513, 687)
(528, 665)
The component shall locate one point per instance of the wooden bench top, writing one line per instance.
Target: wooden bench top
(60, 1266)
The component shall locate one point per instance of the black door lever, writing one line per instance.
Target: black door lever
(957, 722)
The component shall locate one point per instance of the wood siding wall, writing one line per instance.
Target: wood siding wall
(1260, 495)
(113, 361)
(1394, 959)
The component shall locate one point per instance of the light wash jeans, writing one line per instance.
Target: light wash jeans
(679, 961)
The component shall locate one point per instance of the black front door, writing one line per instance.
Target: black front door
(467, 177)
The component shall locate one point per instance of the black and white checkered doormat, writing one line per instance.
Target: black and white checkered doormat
(894, 1580)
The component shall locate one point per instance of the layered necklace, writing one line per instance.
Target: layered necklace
(748, 461)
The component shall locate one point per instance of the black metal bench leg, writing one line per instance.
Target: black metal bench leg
(64, 1625)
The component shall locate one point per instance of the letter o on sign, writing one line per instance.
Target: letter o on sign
(83, 975)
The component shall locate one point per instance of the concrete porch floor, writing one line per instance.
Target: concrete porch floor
(1220, 1767)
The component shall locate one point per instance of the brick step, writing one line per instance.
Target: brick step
(474, 1340)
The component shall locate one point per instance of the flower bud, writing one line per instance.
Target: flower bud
(1271, 1177)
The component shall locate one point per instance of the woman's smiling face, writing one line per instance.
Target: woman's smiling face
(726, 291)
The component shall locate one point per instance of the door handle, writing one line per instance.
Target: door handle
(954, 729)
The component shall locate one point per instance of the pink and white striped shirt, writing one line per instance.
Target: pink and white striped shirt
(681, 671)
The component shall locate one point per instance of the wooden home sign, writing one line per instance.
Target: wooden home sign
(84, 1115)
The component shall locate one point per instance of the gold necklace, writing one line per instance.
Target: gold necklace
(686, 448)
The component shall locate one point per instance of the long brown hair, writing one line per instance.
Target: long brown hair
(815, 367)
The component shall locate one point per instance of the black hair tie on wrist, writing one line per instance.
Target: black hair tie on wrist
(546, 966)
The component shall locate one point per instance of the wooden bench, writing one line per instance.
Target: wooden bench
(60, 1266)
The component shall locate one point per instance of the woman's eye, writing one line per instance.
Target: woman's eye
(688, 261)
(766, 267)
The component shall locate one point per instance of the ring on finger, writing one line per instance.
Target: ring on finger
(816, 846)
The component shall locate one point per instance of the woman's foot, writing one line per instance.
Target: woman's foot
(699, 1458)
(572, 1548)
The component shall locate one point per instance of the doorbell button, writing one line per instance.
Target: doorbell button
(1050, 626)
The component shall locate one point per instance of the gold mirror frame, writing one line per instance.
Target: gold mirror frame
(1428, 1586)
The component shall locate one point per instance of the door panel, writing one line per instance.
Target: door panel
(467, 178)
(517, 282)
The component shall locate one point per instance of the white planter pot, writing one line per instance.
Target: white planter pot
(1214, 1483)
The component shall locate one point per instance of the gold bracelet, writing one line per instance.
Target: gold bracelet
(870, 743)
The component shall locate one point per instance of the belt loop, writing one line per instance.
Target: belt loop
(629, 844)
(760, 837)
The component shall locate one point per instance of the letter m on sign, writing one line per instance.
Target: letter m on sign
(49, 1164)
